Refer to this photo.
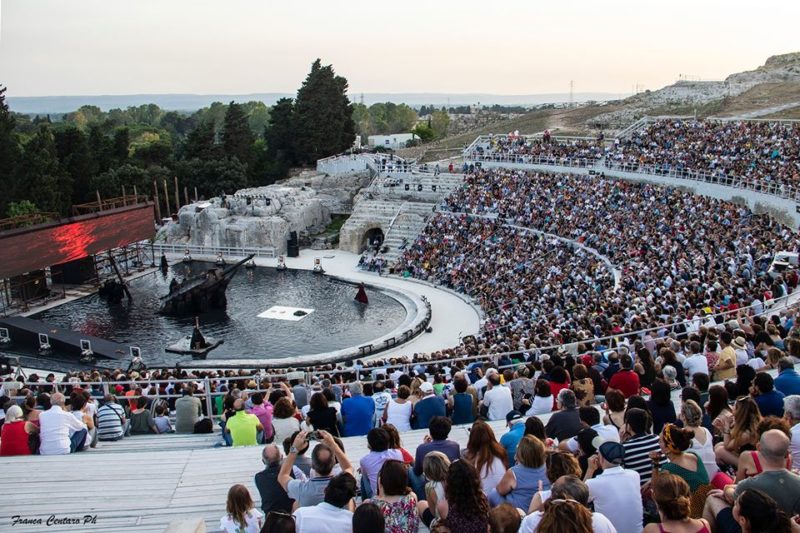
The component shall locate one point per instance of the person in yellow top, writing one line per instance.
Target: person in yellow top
(243, 426)
(726, 366)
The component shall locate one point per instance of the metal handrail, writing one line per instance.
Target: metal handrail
(227, 251)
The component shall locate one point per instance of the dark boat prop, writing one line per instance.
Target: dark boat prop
(361, 297)
(195, 344)
(201, 293)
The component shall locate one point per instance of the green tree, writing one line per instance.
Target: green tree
(75, 159)
(201, 143)
(110, 183)
(257, 116)
(101, 148)
(278, 133)
(237, 139)
(158, 152)
(45, 185)
(10, 153)
(440, 123)
(21, 208)
(120, 146)
(213, 176)
(323, 116)
(424, 132)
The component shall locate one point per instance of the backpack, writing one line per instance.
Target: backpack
(204, 425)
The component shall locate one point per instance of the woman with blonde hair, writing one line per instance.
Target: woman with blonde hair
(740, 433)
(434, 466)
(242, 515)
(487, 455)
(703, 442)
(522, 480)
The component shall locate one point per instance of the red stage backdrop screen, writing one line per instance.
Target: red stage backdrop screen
(66, 240)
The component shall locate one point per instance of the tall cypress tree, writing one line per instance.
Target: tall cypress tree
(75, 160)
(200, 143)
(278, 133)
(237, 138)
(323, 118)
(46, 186)
(9, 154)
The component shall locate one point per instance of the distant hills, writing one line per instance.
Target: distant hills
(193, 102)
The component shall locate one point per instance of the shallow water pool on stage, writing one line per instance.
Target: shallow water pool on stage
(337, 321)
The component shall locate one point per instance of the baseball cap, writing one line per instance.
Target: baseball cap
(513, 415)
(613, 452)
(426, 387)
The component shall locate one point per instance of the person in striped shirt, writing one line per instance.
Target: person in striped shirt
(638, 442)
(111, 421)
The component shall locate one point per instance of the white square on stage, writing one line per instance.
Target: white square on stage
(280, 312)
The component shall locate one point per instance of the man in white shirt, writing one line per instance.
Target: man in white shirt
(791, 412)
(616, 492)
(590, 417)
(381, 399)
(334, 514)
(497, 399)
(740, 347)
(696, 362)
(60, 432)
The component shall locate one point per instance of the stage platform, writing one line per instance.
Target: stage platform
(24, 333)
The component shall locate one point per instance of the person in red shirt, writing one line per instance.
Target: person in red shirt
(625, 380)
(14, 436)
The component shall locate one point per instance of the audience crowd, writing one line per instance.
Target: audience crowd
(765, 153)
(671, 403)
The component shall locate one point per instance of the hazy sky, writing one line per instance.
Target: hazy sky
(67, 47)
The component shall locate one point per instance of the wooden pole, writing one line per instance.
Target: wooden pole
(157, 202)
(166, 196)
(124, 196)
(186, 194)
(196, 198)
(177, 196)
(99, 200)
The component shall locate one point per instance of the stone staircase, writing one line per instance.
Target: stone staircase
(397, 212)
(407, 225)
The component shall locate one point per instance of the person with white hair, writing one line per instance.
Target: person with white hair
(61, 433)
(791, 412)
(15, 433)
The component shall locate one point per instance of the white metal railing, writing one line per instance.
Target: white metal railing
(227, 251)
(775, 189)
(577, 162)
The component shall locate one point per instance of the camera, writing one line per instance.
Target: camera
(313, 435)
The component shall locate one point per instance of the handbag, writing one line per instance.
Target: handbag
(34, 442)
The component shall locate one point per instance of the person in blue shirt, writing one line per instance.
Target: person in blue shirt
(509, 441)
(770, 401)
(428, 407)
(788, 380)
(358, 412)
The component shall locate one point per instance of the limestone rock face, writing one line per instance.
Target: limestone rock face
(335, 192)
(244, 220)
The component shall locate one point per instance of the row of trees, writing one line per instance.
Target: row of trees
(50, 165)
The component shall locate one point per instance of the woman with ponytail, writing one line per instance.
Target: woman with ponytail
(675, 443)
(671, 494)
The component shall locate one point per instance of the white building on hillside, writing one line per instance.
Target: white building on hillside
(393, 141)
